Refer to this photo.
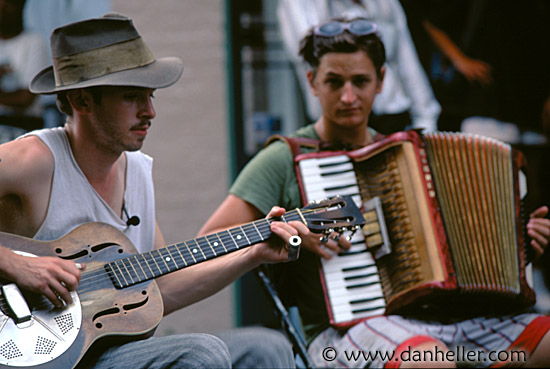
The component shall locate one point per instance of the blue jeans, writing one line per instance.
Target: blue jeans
(256, 347)
(239, 348)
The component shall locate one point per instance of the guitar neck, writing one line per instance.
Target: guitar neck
(138, 268)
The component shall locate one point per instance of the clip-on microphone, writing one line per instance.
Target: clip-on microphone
(133, 220)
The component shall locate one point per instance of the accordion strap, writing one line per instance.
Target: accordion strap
(295, 144)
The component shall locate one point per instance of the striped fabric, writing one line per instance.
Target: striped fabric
(393, 335)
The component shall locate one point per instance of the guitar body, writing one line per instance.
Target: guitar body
(106, 312)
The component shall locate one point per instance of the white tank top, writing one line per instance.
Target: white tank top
(73, 200)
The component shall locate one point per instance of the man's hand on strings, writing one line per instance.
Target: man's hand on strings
(48, 276)
(276, 250)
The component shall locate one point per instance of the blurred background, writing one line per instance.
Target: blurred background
(486, 62)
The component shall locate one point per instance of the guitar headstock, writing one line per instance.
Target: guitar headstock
(335, 214)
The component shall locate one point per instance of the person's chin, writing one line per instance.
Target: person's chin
(351, 121)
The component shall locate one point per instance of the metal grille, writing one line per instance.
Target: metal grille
(10, 351)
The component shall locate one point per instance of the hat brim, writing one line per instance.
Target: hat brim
(161, 73)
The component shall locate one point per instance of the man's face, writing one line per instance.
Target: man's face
(346, 84)
(122, 117)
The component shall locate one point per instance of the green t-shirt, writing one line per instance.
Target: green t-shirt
(268, 180)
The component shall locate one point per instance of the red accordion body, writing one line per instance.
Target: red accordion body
(451, 206)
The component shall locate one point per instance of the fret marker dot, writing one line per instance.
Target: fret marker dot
(215, 244)
(195, 251)
(167, 258)
(239, 237)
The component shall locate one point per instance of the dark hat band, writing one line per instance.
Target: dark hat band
(102, 61)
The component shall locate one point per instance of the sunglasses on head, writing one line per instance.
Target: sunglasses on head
(358, 27)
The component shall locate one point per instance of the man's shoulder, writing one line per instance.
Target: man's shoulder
(26, 172)
(25, 164)
(29, 152)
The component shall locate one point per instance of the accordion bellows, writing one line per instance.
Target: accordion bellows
(452, 210)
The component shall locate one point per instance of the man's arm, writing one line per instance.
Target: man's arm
(234, 210)
(26, 171)
(193, 284)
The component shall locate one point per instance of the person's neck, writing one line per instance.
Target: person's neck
(354, 136)
(96, 163)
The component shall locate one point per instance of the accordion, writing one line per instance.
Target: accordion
(445, 231)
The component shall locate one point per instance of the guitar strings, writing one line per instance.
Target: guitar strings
(203, 243)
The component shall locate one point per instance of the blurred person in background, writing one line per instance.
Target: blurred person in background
(22, 55)
(488, 63)
(42, 17)
(407, 100)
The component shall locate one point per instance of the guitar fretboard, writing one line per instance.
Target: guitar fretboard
(137, 268)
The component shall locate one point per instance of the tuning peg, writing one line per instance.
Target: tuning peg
(323, 239)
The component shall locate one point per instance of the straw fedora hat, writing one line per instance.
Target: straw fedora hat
(103, 51)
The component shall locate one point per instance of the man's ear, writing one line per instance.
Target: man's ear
(311, 79)
(79, 100)
(381, 79)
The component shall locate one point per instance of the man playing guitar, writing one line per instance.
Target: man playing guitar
(91, 170)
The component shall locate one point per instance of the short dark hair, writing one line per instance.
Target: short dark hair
(313, 47)
(65, 107)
